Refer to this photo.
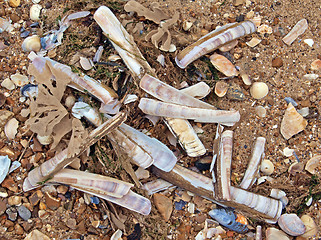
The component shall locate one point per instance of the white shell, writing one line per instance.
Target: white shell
(310, 226)
(198, 90)
(288, 152)
(275, 234)
(35, 12)
(117, 235)
(4, 167)
(19, 79)
(260, 111)
(70, 101)
(31, 43)
(296, 31)
(277, 193)
(259, 90)
(309, 42)
(221, 88)
(86, 63)
(313, 164)
(310, 76)
(187, 25)
(156, 186)
(141, 173)
(267, 167)
(45, 140)
(291, 224)
(11, 128)
(254, 42)
(8, 84)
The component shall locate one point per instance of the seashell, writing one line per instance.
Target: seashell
(253, 167)
(14, 166)
(275, 234)
(113, 58)
(296, 31)
(288, 152)
(153, 107)
(98, 54)
(198, 90)
(253, 42)
(5, 25)
(11, 128)
(277, 193)
(187, 25)
(267, 167)
(227, 218)
(221, 88)
(45, 140)
(257, 21)
(169, 94)
(214, 40)
(172, 48)
(310, 76)
(2, 99)
(245, 77)
(313, 166)
(130, 98)
(31, 43)
(316, 64)
(223, 65)
(117, 235)
(291, 224)
(259, 90)
(81, 109)
(292, 122)
(86, 63)
(29, 90)
(161, 60)
(260, 111)
(4, 167)
(141, 173)
(156, 186)
(295, 168)
(229, 46)
(264, 29)
(35, 11)
(19, 79)
(8, 84)
(304, 111)
(309, 42)
(78, 15)
(70, 101)
(310, 226)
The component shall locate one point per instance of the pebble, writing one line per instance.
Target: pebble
(14, 3)
(310, 77)
(51, 202)
(259, 90)
(277, 62)
(18, 229)
(316, 64)
(304, 111)
(5, 115)
(35, 197)
(62, 189)
(14, 17)
(260, 111)
(35, 12)
(24, 212)
(10, 184)
(36, 235)
(48, 5)
(14, 200)
(187, 25)
(3, 207)
(8, 84)
(180, 205)
(164, 205)
(12, 214)
(71, 223)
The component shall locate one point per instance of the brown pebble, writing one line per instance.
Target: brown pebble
(35, 197)
(2, 11)
(26, 226)
(3, 207)
(200, 218)
(265, 42)
(48, 5)
(277, 62)
(8, 223)
(19, 230)
(37, 147)
(164, 205)
(14, 17)
(51, 202)
(10, 184)
(71, 223)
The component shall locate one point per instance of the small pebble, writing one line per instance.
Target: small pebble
(14, 200)
(235, 92)
(14, 17)
(94, 200)
(35, 12)
(277, 62)
(25, 34)
(260, 111)
(179, 205)
(304, 111)
(14, 3)
(48, 5)
(316, 64)
(12, 214)
(291, 100)
(24, 212)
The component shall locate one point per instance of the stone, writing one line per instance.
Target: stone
(62, 189)
(164, 205)
(12, 214)
(4, 117)
(10, 184)
(51, 202)
(24, 212)
(26, 226)
(14, 3)
(8, 84)
(316, 64)
(14, 200)
(36, 235)
(18, 229)
(277, 62)
(292, 122)
(71, 223)
(3, 207)
(35, 197)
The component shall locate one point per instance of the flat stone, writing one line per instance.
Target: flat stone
(36, 235)
(71, 223)
(10, 184)
(35, 197)
(164, 205)
(5, 115)
(24, 212)
(26, 226)
(12, 213)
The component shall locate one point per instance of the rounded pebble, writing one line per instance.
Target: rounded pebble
(12, 214)
(277, 62)
(24, 212)
(259, 90)
(35, 12)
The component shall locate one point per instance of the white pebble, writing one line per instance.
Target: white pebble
(35, 12)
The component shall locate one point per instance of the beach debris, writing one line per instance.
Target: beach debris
(11, 128)
(309, 42)
(29, 90)
(291, 224)
(4, 167)
(296, 31)
(98, 54)
(130, 98)
(187, 25)
(19, 79)
(295, 168)
(310, 76)
(274, 233)
(14, 166)
(161, 60)
(277, 193)
(311, 229)
(288, 152)
(31, 43)
(45, 140)
(252, 170)
(141, 173)
(199, 90)
(117, 235)
(313, 166)
(264, 28)
(154, 107)
(157, 186)
(82, 109)
(267, 167)
(223, 65)
(35, 11)
(5, 25)
(316, 64)
(213, 41)
(259, 90)
(227, 218)
(260, 111)
(36, 235)
(86, 63)
(292, 122)
(254, 42)
(164, 205)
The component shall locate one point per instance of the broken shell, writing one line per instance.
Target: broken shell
(292, 122)
(260, 111)
(4, 167)
(288, 152)
(98, 54)
(221, 88)
(31, 43)
(291, 224)
(316, 64)
(245, 77)
(141, 173)
(35, 12)
(113, 58)
(267, 167)
(11, 128)
(14, 166)
(29, 90)
(8, 84)
(259, 90)
(130, 98)
(277, 193)
(223, 65)
(310, 76)
(254, 42)
(19, 79)
(311, 229)
(309, 42)
(161, 60)
(275, 234)
(117, 235)
(229, 46)
(296, 168)
(187, 25)
(2, 99)
(45, 140)
(296, 31)
(264, 29)
(313, 164)
(86, 63)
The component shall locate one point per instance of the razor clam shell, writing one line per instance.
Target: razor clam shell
(258, 233)
(169, 94)
(82, 109)
(98, 54)
(156, 186)
(199, 90)
(186, 136)
(83, 82)
(4, 167)
(223, 176)
(122, 41)
(92, 182)
(153, 107)
(213, 41)
(253, 168)
(296, 31)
